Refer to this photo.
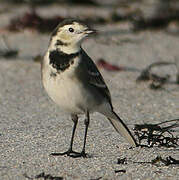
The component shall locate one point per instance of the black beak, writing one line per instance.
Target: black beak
(90, 31)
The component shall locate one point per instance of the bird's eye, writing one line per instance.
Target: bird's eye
(71, 29)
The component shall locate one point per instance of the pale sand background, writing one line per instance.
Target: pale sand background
(31, 126)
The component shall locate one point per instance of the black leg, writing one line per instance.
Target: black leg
(75, 120)
(69, 151)
(87, 120)
(83, 154)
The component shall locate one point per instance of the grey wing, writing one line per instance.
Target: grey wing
(95, 78)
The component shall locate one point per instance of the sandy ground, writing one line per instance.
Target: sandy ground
(32, 126)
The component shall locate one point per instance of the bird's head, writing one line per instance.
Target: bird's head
(71, 32)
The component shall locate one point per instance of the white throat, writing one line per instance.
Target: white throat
(68, 49)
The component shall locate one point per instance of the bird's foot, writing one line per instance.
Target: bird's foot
(71, 153)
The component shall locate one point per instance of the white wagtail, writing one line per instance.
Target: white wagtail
(73, 81)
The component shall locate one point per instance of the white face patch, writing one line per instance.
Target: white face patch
(73, 33)
(68, 38)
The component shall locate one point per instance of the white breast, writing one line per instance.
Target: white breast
(65, 89)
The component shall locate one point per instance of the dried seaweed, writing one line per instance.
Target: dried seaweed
(8, 52)
(44, 176)
(121, 161)
(107, 66)
(97, 178)
(47, 2)
(32, 20)
(84, 2)
(156, 161)
(168, 161)
(146, 73)
(38, 58)
(36, 2)
(157, 81)
(134, 15)
(165, 13)
(156, 22)
(154, 135)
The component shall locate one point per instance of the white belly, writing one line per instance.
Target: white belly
(69, 93)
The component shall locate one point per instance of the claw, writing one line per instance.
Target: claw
(77, 154)
(71, 153)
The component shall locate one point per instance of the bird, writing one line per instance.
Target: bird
(74, 83)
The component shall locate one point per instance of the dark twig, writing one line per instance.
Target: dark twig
(121, 170)
(177, 120)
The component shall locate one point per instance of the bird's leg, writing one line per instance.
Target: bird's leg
(83, 154)
(75, 120)
(87, 120)
(69, 151)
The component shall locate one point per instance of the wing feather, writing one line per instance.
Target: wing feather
(94, 76)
